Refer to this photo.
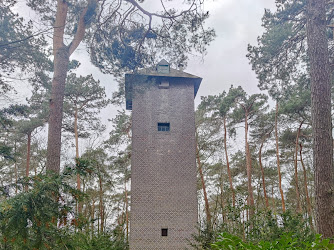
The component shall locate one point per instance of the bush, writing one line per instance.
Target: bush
(286, 241)
(43, 218)
(263, 227)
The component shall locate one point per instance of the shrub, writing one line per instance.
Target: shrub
(285, 241)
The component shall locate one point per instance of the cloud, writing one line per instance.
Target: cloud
(237, 23)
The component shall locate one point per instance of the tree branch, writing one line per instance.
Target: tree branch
(148, 30)
(134, 3)
(26, 38)
(127, 13)
(79, 35)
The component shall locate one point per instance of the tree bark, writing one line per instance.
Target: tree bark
(249, 168)
(207, 206)
(321, 116)
(273, 199)
(61, 54)
(228, 164)
(263, 179)
(16, 170)
(278, 162)
(299, 208)
(93, 217)
(76, 133)
(61, 60)
(101, 203)
(28, 157)
(126, 212)
(77, 154)
(222, 205)
(308, 200)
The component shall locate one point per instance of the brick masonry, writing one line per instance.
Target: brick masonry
(163, 171)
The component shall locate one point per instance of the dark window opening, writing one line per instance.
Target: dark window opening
(129, 105)
(163, 126)
(164, 85)
(164, 232)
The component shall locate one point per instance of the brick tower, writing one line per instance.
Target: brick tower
(163, 168)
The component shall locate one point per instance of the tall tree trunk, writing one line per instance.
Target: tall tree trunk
(222, 205)
(93, 216)
(207, 207)
(263, 179)
(249, 169)
(16, 170)
(308, 200)
(321, 116)
(101, 203)
(228, 164)
(77, 153)
(299, 208)
(28, 157)
(215, 211)
(126, 211)
(98, 222)
(61, 54)
(273, 199)
(278, 162)
(56, 109)
(242, 222)
(61, 60)
(76, 133)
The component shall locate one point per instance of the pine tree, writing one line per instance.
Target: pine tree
(246, 109)
(84, 99)
(120, 37)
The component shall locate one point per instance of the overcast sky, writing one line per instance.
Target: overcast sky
(237, 23)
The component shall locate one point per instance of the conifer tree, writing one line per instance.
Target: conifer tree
(84, 99)
(21, 50)
(246, 109)
(296, 35)
(121, 36)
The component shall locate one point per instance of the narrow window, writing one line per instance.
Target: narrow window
(164, 231)
(163, 69)
(129, 105)
(163, 126)
(164, 85)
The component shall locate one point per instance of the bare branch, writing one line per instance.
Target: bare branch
(26, 38)
(148, 30)
(134, 3)
(127, 13)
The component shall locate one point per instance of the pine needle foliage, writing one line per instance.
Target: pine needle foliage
(30, 219)
(44, 216)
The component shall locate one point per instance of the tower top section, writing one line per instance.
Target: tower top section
(161, 72)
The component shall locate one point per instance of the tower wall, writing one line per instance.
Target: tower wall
(163, 171)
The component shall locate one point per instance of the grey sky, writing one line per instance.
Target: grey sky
(237, 23)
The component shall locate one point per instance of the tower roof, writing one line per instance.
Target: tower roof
(152, 71)
(163, 62)
(162, 69)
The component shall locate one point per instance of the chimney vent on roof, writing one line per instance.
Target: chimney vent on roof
(163, 67)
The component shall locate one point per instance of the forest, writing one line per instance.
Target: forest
(264, 161)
